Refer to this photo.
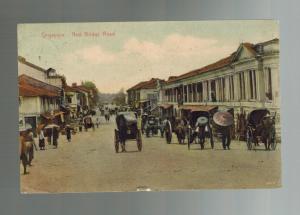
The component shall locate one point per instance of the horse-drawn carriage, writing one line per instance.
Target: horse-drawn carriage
(127, 129)
(261, 127)
(199, 128)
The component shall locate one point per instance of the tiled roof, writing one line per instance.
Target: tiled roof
(221, 63)
(83, 88)
(145, 84)
(29, 86)
(23, 60)
(68, 88)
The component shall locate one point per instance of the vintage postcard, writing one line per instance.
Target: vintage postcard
(149, 106)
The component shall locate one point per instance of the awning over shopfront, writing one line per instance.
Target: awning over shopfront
(192, 108)
(166, 106)
(48, 115)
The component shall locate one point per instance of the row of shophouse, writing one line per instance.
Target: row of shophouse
(45, 97)
(247, 79)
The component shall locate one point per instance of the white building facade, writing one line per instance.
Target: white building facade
(246, 80)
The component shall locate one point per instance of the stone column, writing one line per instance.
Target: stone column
(217, 86)
(236, 87)
(226, 90)
(247, 84)
(260, 82)
(208, 91)
(193, 92)
(188, 92)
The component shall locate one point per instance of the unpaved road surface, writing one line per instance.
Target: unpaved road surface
(90, 164)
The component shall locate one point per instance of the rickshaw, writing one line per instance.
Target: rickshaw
(197, 119)
(261, 128)
(151, 125)
(127, 129)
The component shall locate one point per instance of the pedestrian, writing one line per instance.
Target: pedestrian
(106, 114)
(97, 122)
(49, 134)
(202, 135)
(41, 139)
(22, 152)
(161, 127)
(68, 133)
(30, 145)
(225, 136)
(80, 126)
(55, 137)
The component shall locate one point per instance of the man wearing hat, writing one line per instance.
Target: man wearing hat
(200, 125)
(225, 136)
(224, 122)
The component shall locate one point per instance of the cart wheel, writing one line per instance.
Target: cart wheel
(139, 140)
(273, 143)
(117, 141)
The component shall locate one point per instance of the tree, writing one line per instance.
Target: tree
(120, 98)
(92, 86)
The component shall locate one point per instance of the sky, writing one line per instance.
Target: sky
(117, 55)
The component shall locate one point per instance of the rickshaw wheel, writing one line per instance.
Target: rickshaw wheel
(117, 141)
(139, 140)
(273, 143)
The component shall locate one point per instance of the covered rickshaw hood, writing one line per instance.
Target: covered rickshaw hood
(255, 117)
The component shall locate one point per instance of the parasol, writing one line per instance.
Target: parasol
(202, 120)
(223, 119)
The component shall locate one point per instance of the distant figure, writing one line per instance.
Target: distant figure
(161, 126)
(106, 114)
(23, 153)
(41, 139)
(49, 136)
(55, 137)
(30, 145)
(226, 138)
(201, 135)
(97, 122)
(68, 133)
(80, 126)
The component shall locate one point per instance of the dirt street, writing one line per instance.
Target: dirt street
(90, 164)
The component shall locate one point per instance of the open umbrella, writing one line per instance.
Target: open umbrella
(202, 120)
(223, 119)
